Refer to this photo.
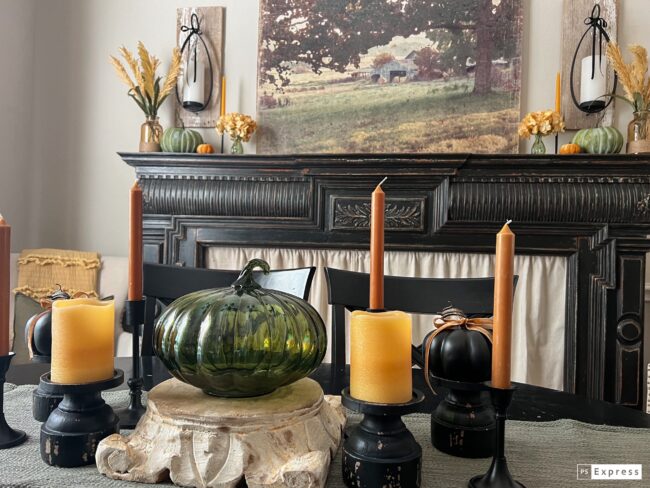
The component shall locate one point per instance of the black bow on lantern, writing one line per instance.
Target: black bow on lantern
(596, 25)
(194, 29)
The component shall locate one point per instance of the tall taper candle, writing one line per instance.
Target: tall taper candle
(223, 96)
(503, 295)
(377, 249)
(5, 249)
(135, 243)
(558, 93)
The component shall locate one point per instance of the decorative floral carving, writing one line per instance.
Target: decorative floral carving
(400, 214)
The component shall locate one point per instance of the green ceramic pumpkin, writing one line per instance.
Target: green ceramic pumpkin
(240, 341)
(599, 140)
(180, 140)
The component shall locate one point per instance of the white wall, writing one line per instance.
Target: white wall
(81, 116)
(17, 34)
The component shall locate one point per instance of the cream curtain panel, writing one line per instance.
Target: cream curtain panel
(538, 321)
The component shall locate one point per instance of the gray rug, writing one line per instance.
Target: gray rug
(542, 455)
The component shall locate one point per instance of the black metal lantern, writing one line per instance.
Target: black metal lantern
(193, 98)
(593, 87)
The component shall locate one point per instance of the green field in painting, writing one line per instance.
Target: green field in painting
(361, 116)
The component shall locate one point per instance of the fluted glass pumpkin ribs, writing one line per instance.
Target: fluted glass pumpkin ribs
(240, 341)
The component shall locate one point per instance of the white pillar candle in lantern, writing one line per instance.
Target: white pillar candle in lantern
(591, 89)
(194, 84)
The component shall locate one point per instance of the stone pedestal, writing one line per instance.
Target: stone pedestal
(284, 439)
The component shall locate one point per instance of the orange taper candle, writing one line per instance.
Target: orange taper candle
(503, 296)
(377, 249)
(135, 243)
(558, 93)
(5, 249)
(223, 96)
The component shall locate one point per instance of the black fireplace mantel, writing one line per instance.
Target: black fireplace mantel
(594, 210)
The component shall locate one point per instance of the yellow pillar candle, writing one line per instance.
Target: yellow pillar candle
(82, 340)
(380, 357)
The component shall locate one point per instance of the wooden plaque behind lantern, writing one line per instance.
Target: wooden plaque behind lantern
(573, 27)
(212, 28)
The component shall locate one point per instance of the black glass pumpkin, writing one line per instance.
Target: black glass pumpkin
(460, 354)
(463, 422)
(38, 329)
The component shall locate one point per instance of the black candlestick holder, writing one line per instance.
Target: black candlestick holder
(8, 437)
(70, 436)
(463, 423)
(130, 415)
(380, 450)
(498, 475)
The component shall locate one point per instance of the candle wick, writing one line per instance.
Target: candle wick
(509, 222)
(382, 181)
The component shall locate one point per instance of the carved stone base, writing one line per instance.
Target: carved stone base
(284, 439)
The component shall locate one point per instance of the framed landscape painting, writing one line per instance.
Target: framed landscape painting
(381, 76)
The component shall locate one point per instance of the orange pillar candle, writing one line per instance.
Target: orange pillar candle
(223, 96)
(82, 340)
(380, 357)
(558, 94)
(5, 250)
(377, 249)
(503, 296)
(135, 243)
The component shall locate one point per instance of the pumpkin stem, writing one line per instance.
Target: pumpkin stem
(245, 282)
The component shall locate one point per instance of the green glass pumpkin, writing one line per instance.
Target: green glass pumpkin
(180, 140)
(240, 341)
(599, 140)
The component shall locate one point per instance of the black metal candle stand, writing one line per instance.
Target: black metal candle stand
(130, 415)
(380, 450)
(498, 475)
(463, 423)
(71, 433)
(8, 437)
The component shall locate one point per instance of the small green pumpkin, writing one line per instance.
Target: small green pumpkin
(180, 140)
(240, 341)
(599, 140)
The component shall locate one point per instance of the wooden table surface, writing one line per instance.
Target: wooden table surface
(532, 403)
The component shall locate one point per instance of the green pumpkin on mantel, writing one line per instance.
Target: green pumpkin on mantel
(599, 140)
(241, 341)
(180, 140)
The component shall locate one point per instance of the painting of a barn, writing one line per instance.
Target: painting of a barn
(391, 78)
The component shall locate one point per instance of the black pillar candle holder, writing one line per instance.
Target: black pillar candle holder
(380, 450)
(71, 433)
(498, 475)
(130, 415)
(44, 402)
(463, 423)
(8, 437)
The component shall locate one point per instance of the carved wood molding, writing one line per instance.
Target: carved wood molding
(235, 196)
(550, 201)
(401, 214)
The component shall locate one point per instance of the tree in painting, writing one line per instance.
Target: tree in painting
(334, 74)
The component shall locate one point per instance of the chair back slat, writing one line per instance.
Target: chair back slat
(350, 290)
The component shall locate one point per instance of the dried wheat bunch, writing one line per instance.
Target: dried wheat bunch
(633, 76)
(145, 87)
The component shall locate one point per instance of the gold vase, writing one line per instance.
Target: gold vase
(150, 135)
(638, 133)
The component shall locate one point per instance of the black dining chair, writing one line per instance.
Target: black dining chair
(350, 290)
(162, 284)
